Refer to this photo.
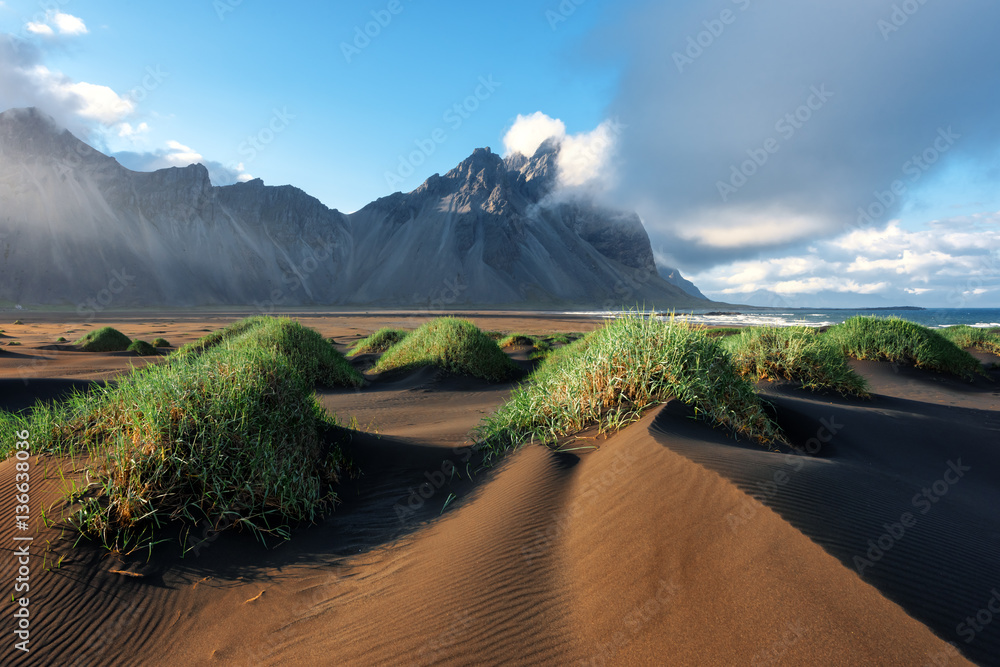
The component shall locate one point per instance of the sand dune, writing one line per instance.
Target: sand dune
(649, 549)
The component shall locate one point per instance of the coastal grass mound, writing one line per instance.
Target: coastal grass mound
(798, 354)
(142, 348)
(976, 338)
(105, 339)
(161, 342)
(455, 345)
(897, 340)
(233, 436)
(316, 356)
(611, 376)
(379, 342)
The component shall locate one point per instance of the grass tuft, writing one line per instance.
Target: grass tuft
(612, 375)
(517, 340)
(105, 339)
(233, 435)
(898, 340)
(161, 342)
(798, 354)
(976, 338)
(379, 342)
(142, 348)
(455, 345)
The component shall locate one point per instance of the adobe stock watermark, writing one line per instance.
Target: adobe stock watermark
(697, 44)
(364, 34)
(453, 117)
(434, 481)
(898, 17)
(265, 136)
(914, 169)
(617, 473)
(768, 490)
(923, 501)
(562, 12)
(973, 625)
(773, 654)
(152, 78)
(120, 280)
(297, 276)
(786, 127)
(633, 622)
(223, 7)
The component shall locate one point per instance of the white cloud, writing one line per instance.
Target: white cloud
(951, 263)
(57, 22)
(127, 131)
(67, 24)
(529, 132)
(42, 29)
(584, 159)
(90, 101)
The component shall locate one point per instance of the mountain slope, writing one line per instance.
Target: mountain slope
(77, 228)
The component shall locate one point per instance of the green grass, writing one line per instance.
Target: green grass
(798, 354)
(142, 348)
(517, 340)
(722, 332)
(212, 339)
(233, 435)
(898, 340)
(105, 339)
(611, 376)
(317, 356)
(455, 345)
(18, 322)
(379, 342)
(14, 342)
(61, 339)
(161, 342)
(977, 338)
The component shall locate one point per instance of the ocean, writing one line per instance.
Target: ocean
(821, 317)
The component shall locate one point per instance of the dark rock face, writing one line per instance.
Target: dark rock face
(77, 228)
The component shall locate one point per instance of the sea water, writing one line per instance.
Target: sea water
(820, 317)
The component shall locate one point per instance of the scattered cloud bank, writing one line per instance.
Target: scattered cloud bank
(950, 263)
(57, 23)
(93, 112)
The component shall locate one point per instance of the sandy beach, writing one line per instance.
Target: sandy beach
(874, 541)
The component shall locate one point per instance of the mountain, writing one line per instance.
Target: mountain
(78, 228)
(674, 277)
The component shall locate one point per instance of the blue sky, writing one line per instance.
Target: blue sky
(228, 66)
(353, 101)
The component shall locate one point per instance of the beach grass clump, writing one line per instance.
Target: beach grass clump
(611, 376)
(105, 339)
(976, 338)
(142, 348)
(517, 340)
(798, 354)
(897, 340)
(379, 342)
(455, 345)
(233, 436)
(212, 339)
(161, 342)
